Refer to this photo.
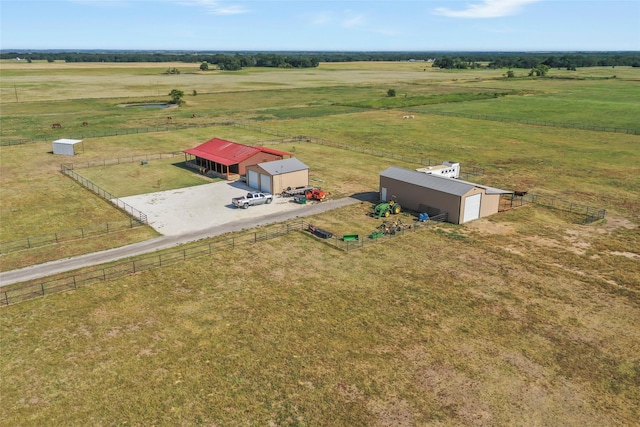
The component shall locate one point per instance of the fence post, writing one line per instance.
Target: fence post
(74, 282)
(42, 287)
(6, 298)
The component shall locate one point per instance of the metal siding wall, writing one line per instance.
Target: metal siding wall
(292, 179)
(411, 196)
(490, 204)
(63, 149)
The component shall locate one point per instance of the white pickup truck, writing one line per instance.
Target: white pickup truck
(252, 198)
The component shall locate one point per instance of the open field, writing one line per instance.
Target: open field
(523, 318)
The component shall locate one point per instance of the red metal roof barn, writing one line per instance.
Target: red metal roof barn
(227, 159)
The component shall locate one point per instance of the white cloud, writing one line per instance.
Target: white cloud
(486, 9)
(354, 21)
(321, 18)
(214, 7)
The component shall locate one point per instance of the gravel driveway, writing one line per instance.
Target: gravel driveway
(186, 210)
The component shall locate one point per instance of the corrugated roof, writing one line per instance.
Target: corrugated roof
(278, 167)
(227, 152)
(436, 182)
(65, 141)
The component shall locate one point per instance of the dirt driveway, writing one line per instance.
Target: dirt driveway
(186, 210)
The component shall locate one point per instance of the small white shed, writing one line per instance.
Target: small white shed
(65, 146)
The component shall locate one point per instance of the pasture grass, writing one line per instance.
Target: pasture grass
(455, 333)
(521, 318)
(129, 179)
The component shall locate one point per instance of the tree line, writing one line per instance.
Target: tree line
(239, 60)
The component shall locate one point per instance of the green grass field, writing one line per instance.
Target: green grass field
(522, 318)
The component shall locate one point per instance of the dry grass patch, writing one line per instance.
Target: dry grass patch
(457, 332)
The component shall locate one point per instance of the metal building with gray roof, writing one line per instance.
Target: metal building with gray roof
(462, 201)
(273, 177)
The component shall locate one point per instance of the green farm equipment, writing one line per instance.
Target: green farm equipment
(386, 208)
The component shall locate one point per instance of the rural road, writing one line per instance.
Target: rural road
(60, 266)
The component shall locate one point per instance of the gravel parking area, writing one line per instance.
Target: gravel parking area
(186, 210)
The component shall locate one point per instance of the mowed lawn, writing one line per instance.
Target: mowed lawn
(523, 318)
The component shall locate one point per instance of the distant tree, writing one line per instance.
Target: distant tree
(230, 63)
(176, 96)
(510, 74)
(539, 71)
(204, 66)
(391, 92)
(444, 62)
(194, 93)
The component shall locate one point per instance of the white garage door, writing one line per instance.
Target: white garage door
(471, 208)
(265, 183)
(383, 194)
(253, 179)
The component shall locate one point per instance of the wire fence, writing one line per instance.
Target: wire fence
(67, 235)
(581, 126)
(588, 214)
(136, 219)
(8, 141)
(133, 212)
(122, 160)
(409, 158)
(14, 294)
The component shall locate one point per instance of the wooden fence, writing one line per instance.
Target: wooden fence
(13, 294)
(67, 235)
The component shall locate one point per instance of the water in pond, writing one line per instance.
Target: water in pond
(148, 105)
(154, 106)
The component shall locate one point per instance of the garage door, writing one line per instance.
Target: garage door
(471, 208)
(265, 183)
(253, 179)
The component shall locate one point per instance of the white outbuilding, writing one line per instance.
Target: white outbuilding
(66, 146)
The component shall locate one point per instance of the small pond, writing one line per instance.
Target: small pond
(148, 105)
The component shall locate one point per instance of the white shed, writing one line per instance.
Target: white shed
(65, 146)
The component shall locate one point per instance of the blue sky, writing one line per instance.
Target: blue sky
(345, 25)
